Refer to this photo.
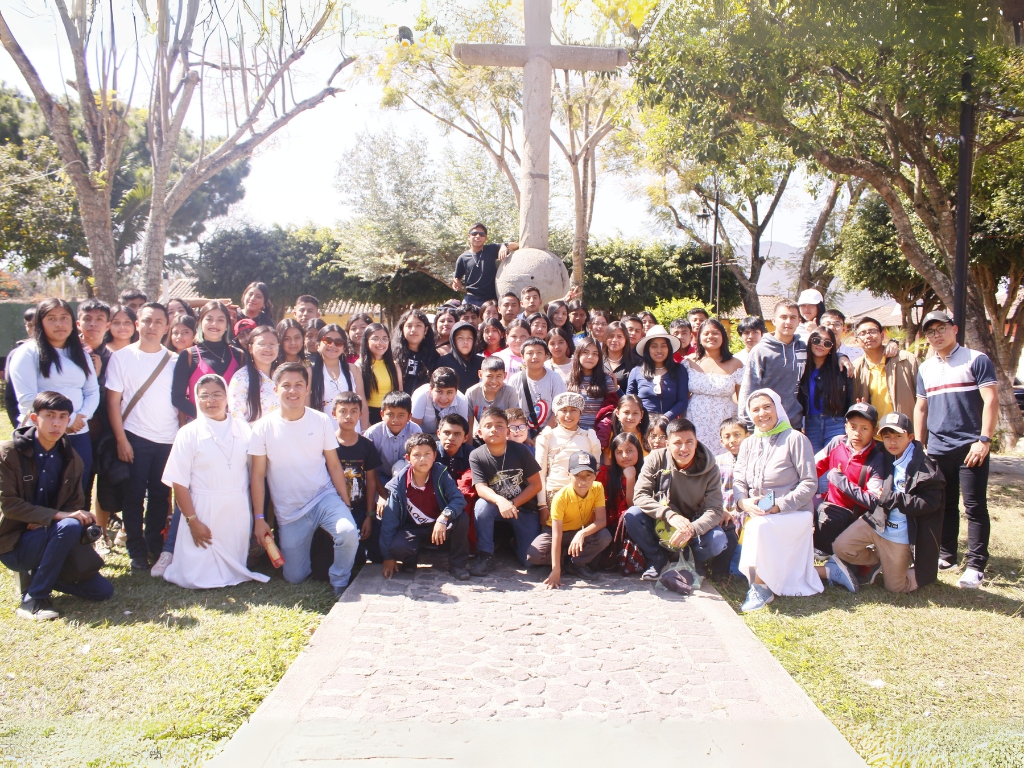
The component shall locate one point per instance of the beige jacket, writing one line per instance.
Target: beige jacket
(900, 372)
(554, 447)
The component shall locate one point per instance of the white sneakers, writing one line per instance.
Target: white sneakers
(971, 579)
(161, 564)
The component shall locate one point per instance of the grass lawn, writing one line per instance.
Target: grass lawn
(159, 675)
(929, 679)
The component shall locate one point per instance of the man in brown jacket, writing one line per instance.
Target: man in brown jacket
(680, 484)
(887, 383)
(41, 500)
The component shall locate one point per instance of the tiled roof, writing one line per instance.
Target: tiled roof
(768, 302)
(183, 288)
(888, 314)
(346, 307)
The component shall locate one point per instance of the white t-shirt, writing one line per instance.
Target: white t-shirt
(424, 408)
(296, 467)
(542, 393)
(153, 418)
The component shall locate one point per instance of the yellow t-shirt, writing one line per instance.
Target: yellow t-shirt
(383, 378)
(574, 511)
(878, 385)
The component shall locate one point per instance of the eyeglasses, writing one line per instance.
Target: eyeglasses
(265, 345)
(517, 428)
(332, 342)
(205, 396)
(864, 332)
(936, 330)
(379, 340)
(820, 342)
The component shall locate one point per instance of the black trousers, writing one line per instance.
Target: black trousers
(144, 523)
(972, 482)
(405, 546)
(830, 520)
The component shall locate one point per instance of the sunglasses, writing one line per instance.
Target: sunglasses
(332, 342)
(820, 342)
(477, 234)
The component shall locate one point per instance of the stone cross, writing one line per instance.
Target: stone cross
(538, 58)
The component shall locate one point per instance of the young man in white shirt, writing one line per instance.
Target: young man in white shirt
(144, 438)
(295, 450)
(438, 398)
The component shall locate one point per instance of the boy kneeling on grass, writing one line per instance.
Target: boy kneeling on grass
(899, 537)
(424, 504)
(578, 533)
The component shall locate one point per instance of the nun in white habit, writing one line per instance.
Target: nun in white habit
(778, 550)
(209, 471)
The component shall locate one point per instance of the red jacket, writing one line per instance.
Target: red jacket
(860, 482)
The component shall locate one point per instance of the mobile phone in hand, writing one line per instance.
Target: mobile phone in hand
(767, 501)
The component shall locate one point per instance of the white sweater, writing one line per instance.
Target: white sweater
(554, 447)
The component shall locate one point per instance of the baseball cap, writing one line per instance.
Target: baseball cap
(863, 410)
(568, 400)
(897, 422)
(245, 324)
(581, 461)
(810, 296)
(938, 316)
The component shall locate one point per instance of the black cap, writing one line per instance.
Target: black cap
(864, 410)
(581, 461)
(897, 422)
(938, 316)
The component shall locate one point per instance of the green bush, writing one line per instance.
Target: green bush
(668, 310)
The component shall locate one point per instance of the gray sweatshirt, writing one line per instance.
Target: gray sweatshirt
(776, 366)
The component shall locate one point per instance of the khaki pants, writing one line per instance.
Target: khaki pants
(897, 559)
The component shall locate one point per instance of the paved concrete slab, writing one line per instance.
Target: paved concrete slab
(424, 670)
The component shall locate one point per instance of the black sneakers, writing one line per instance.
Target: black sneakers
(483, 564)
(140, 564)
(581, 570)
(459, 574)
(37, 610)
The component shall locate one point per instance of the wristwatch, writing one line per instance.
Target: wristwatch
(985, 440)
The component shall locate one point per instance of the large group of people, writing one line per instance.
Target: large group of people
(582, 441)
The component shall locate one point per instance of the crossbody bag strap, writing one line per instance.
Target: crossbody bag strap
(531, 414)
(145, 386)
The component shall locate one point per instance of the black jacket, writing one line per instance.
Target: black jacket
(922, 502)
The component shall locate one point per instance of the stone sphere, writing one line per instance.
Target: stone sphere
(532, 266)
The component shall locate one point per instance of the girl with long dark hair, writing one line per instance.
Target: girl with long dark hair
(715, 378)
(377, 368)
(251, 393)
(492, 337)
(55, 360)
(579, 318)
(414, 349)
(558, 314)
(122, 331)
(293, 342)
(825, 391)
(213, 353)
(177, 307)
(660, 382)
(463, 358)
(619, 356)
(540, 326)
(181, 334)
(355, 328)
(630, 417)
(310, 333)
(331, 375)
(561, 347)
(619, 476)
(256, 304)
(590, 379)
(444, 321)
(518, 331)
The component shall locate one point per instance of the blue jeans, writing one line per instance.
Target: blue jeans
(640, 528)
(172, 531)
(331, 514)
(820, 429)
(83, 447)
(526, 528)
(147, 469)
(43, 552)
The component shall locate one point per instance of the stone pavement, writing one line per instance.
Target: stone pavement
(425, 670)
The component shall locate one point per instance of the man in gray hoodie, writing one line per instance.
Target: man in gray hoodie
(777, 363)
(680, 485)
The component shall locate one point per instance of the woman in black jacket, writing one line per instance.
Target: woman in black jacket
(825, 391)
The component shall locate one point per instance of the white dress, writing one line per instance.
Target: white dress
(711, 403)
(210, 458)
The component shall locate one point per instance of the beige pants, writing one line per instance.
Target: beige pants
(897, 559)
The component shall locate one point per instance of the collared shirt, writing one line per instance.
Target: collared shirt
(49, 465)
(896, 529)
(878, 385)
(390, 447)
(953, 390)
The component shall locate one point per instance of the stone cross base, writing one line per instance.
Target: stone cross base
(533, 266)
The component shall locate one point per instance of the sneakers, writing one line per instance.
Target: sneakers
(37, 610)
(839, 574)
(971, 579)
(140, 563)
(820, 554)
(161, 564)
(405, 567)
(868, 574)
(651, 574)
(121, 540)
(758, 596)
(945, 565)
(581, 570)
(338, 592)
(459, 574)
(483, 564)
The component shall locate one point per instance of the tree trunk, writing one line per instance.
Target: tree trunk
(94, 210)
(805, 279)
(153, 249)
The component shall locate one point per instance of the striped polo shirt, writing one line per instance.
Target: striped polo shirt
(951, 387)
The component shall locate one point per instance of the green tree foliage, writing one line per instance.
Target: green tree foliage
(871, 260)
(864, 88)
(630, 275)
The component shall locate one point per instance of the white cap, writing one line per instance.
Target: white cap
(810, 296)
